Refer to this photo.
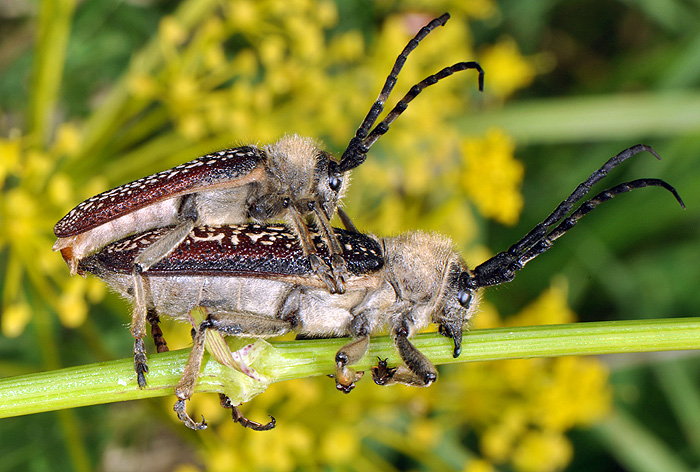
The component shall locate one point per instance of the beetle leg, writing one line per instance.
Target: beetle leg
(182, 415)
(351, 353)
(138, 330)
(242, 420)
(289, 309)
(226, 323)
(382, 374)
(385, 376)
(318, 266)
(345, 219)
(156, 333)
(185, 387)
(147, 258)
(418, 370)
(233, 324)
(151, 255)
(340, 271)
(162, 247)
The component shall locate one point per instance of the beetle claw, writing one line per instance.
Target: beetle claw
(242, 420)
(185, 418)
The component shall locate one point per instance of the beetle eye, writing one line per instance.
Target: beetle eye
(286, 202)
(334, 182)
(464, 297)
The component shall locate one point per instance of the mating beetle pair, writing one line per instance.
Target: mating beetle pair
(255, 282)
(168, 242)
(286, 181)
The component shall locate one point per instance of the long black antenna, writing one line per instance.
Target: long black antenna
(356, 152)
(503, 266)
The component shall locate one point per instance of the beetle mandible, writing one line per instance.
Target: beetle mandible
(289, 180)
(398, 285)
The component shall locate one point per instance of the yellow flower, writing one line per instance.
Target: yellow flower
(579, 394)
(14, 319)
(492, 176)
(478, 465)
(10, 150)
(507, 69)
(172, 32)
(550, 307)
(72, 307)
(541, 451)
(339, 445)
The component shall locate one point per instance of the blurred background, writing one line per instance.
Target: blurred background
(95, 94)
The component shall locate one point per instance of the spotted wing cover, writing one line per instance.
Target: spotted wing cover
(221, 166)
(242, 250)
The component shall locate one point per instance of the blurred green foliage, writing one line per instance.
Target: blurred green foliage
(99, 93)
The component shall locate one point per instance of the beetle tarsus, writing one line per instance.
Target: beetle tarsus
(140, 362)
(349, 354)
(156, 333)
(239, 418)
(320, 268)
(381, 373)
(185, 418)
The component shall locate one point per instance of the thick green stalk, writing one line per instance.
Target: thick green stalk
(598, 118)
(115, 381)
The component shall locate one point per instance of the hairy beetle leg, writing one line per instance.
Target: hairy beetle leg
(138, 329)
(349, 354)
(325, 273)
(182, 415)
(382, 374)
(140, 362)
(237, 323)
(340, 272)
(242, 420)
(156, 333)
(418, 371)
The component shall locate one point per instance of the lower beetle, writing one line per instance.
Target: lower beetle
(254, 282)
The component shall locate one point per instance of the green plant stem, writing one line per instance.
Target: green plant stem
(592, 118)
(284, 360)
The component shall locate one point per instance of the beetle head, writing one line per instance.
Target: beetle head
(306, 177)
(458, 306)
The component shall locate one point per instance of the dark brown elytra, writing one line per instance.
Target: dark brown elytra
(241, 250)
(190, 177)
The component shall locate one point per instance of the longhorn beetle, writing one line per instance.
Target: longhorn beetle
(289, 181)
(255, 282)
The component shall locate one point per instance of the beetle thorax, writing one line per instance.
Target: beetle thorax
(293, 160)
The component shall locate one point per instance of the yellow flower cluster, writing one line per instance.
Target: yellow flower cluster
(34, 192)
(492, 176)
(522, 409)
(508, 69)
